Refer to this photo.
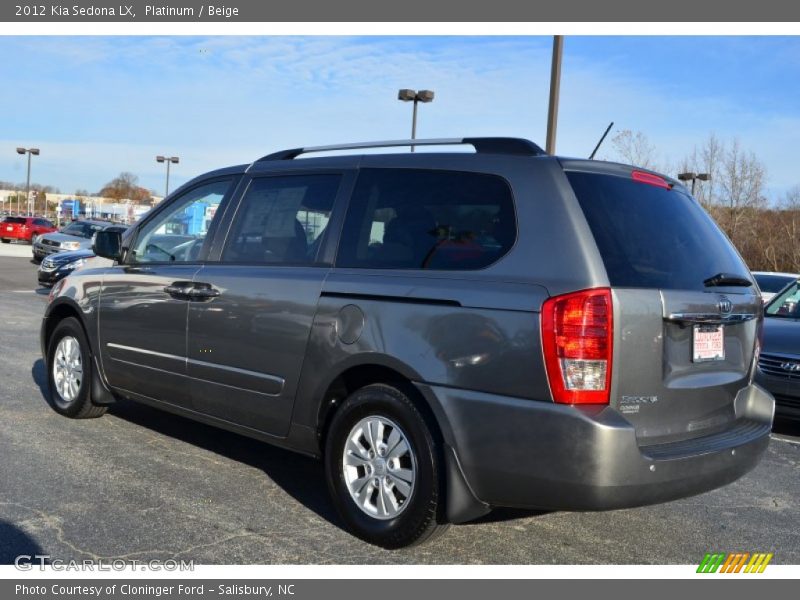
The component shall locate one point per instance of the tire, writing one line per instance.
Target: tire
(69, 346)
(409, 519)
(6, 241)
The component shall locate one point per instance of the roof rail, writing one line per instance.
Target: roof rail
(482, 145)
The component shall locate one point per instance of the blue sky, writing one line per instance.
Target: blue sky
(97, 106)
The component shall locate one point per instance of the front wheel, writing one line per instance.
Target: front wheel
(69, 369)
(383, 469)
(6, 241)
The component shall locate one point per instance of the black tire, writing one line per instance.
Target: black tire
(81, 406)
(5, 241)
(420, 517)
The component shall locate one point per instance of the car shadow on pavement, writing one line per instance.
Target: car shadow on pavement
(15, 543)
(300, 476)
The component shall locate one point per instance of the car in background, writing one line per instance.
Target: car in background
(75, 236)
(57, 266)
(24, 228)
(779, 361)
(770, 283)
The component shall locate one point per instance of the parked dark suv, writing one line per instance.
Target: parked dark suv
(450, 331)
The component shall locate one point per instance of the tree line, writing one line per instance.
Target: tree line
(766, 231)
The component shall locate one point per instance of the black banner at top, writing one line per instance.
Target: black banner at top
(198, 11)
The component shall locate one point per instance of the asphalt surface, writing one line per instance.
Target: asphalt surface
(142, 484)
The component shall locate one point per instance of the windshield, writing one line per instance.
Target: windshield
(773, 283)
(652, 237)
(787, 304)
(82, 229)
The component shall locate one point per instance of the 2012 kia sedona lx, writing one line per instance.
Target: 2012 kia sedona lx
(449, 331)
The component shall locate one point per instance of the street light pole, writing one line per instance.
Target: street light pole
(407, 95)
(693, 177)
(555, 88)
(168, 160)
(29, 152)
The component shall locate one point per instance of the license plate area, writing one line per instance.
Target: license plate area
(708, 343)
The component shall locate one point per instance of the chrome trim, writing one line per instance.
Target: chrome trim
(201, 363)
(143, 351)
(711, 318)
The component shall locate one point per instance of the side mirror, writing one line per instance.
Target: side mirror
(107, 244)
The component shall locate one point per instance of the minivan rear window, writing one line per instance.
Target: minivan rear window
(15, 220)
(652, 237)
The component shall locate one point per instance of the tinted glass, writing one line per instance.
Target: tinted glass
(282, 220)
(17, 220)
(416, 219)
(178, 233)
(651, 237)
(82, 229)
(773, 283)
(786, 304)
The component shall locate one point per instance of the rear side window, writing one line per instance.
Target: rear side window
(282, 220)
(422, 219)
(651, 237)
(15, 220)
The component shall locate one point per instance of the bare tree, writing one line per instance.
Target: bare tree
(633, 148)
(741, 186)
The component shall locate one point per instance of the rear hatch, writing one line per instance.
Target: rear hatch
(14, 227)
(686, 312)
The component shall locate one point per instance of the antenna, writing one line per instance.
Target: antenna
(596, 148)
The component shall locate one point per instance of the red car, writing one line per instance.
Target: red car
(24, 228)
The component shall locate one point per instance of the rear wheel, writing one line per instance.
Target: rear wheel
(6, 241)
(69, 369)
(382, 466)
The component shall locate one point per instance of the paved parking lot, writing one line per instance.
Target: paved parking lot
(142, 484)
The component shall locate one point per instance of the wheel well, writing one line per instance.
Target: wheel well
(355, 378)
(58, 314)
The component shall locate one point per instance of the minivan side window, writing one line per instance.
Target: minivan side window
(427, 219)
(178, 233)
(282, 220)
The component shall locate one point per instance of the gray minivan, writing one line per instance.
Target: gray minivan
(449, 331)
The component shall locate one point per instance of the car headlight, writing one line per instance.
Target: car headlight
(35, 238)
(75, 264)
(70, 245)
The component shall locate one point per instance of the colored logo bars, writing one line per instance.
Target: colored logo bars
(735, 562)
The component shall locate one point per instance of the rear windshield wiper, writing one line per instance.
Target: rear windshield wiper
(727, 279)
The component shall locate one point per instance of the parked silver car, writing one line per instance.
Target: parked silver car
(75, 236)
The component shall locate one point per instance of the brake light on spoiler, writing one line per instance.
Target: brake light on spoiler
(577, 338)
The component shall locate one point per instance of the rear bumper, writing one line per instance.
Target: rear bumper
(16, 236)
(529, 454)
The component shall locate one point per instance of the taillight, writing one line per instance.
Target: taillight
(577, 338)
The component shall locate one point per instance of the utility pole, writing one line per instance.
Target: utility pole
(555, 86)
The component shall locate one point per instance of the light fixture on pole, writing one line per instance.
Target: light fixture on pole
(30, 152)
(414, 96)
(693, 177)
(169, 160)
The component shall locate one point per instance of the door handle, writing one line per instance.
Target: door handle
(193, 291)
(201, 293)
